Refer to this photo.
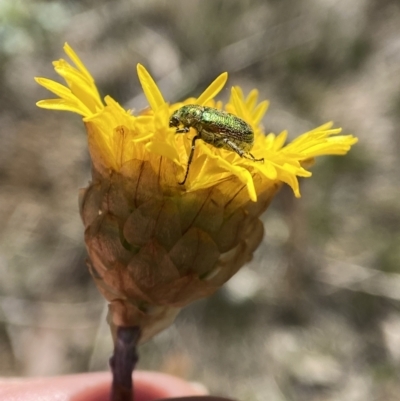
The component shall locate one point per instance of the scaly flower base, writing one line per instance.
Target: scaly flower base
(154, 249)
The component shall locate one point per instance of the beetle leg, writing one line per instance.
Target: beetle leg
(241, 152)
(234, 147)
(254, 159)
(183, 130)
(190, 158)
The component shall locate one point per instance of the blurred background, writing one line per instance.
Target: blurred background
(316, 314)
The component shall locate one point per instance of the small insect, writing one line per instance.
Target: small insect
(218, 128)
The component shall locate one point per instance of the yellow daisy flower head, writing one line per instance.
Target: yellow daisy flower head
(156, 245)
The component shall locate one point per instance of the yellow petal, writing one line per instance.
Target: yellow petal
(213, 89)
(236, 99)
(77, 61)
(150, 88)
(58, 89)
(81, 86)
(241, 172)
(239, 91)
(280, 140)
(64, 105)
(268, 169)
(163, 149)
(259, 112)
(292, 181)
(324, 127)
(332, 146)
(251, 99)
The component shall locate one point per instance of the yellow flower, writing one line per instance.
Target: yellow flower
(155, 245)
(116, 136)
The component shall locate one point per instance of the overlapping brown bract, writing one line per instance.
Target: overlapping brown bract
(154, 248)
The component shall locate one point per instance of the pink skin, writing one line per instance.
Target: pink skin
(149, 386)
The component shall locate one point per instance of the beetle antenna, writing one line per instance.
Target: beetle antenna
(190, 158)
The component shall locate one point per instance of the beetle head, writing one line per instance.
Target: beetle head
(175, 120)
(186, 115)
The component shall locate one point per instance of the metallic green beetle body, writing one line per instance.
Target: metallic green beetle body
(218, 128)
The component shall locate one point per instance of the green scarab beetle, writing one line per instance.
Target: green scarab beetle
(218, 128)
